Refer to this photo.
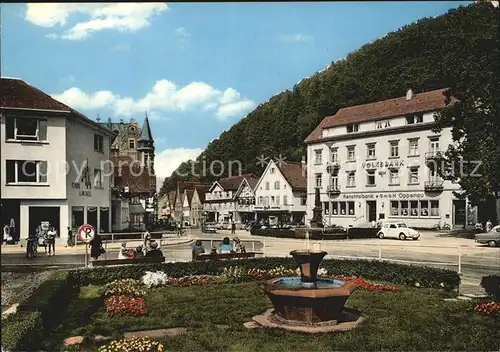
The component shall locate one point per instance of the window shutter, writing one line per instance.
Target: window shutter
(10, 127)
(42, 171)
(42, 130)
(11, 171)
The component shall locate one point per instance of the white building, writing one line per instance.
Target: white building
(220, 199)
(245, 200)
(281, 192)
(377, 161)
(53, 163)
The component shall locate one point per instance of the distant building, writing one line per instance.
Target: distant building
(134, 186)
(281, 193)
(53, 163)
(378, 161)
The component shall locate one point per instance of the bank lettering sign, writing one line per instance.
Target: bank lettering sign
(394, 195)
(386, 163)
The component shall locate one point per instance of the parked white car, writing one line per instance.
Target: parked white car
(397, 230)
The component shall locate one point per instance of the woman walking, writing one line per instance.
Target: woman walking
(96, 247)
(51, 240)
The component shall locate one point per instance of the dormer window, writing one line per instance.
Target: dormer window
(353, 128)
(414, 118)
(383, 124)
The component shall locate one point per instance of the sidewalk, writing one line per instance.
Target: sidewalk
(80, 248)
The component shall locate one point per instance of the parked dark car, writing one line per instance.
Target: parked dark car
(209, 227)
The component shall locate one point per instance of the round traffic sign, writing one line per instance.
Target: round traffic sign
(86, 233)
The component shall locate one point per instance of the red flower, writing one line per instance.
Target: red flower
(488, 308)
(361, 282)
(122, 304)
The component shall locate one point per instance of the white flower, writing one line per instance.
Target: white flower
(417, 284)
(153, 279)
(441, 284)
(322, 272)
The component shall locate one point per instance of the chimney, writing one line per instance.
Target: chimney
(409, 94)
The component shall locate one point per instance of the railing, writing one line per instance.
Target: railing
(332, 167)
(434, 155)
(252, 248)
(333, 190)
(433, 185)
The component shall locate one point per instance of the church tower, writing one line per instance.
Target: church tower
(146, 147)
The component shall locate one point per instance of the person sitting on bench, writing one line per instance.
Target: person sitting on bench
(154, 252)
(126, 253)
(225, 246)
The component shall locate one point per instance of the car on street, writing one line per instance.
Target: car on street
(491, 238)
(397, 229)
(208, 227)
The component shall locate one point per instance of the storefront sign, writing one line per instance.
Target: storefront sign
(81, 192)
(395, 195)
(386, 163)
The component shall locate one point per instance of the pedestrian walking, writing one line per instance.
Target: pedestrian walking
(96, 248)
(51, 241)
(70, 238)
(233, 228)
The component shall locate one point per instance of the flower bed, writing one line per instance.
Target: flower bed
(116, 305)
(488, 308)
(135, 344)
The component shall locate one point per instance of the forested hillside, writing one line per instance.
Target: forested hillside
(448, 50)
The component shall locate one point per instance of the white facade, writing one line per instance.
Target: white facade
(383, 171)
(275, 195)
(219, 203)
(245, 202)
(57, 151)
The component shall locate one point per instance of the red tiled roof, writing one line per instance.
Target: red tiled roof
(132, 175)
(16, 93)
(420, 102)
(295, 174)
(232, 183)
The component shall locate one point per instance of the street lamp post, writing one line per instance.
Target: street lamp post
(329, 145)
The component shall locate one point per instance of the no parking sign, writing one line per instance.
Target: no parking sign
(86, 233)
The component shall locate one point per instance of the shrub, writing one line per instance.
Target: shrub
(124, 287)
(370, 269)
(154, 278)
(135, 344)
(22, 331)
(491, 285)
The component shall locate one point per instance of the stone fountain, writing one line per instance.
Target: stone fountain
(307, 303)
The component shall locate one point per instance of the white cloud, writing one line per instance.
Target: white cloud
(124, 17)
(298, 37)
(168, 160)
(164, 96)
(182, 32)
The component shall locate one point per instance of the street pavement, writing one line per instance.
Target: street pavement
(432, 249)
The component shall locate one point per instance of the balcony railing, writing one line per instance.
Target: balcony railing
(332, 167)
(333, 190)
(433, 186)
(432, 158)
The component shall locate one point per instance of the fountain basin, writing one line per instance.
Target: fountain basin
(300, 302)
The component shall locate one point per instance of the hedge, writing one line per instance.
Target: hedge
(317, 234)
(491, 285)
(38, 314)
(22, 331)
(369, 269)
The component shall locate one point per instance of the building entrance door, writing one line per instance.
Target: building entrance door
(371, 210)
(459, 213)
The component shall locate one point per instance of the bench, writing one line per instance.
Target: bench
(218, 256)
(141, 260)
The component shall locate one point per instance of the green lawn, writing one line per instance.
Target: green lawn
(410, 319)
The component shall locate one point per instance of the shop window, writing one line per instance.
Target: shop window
(414, 208)
(326, 209)
(77, 217)
(394, 208)
(343, 208)
(404, 208)
(335, 208)
(424, 208)
(434, 208)
(350, 206)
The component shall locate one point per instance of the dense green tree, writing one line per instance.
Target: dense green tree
(446, 51)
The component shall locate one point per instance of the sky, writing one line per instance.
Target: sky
(195, 68)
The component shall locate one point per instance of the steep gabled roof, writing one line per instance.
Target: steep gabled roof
(201, 190)
(251, 182)
(295, 174)
(146, 135)
(189, 194)
(419, 102)
(232, 183)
